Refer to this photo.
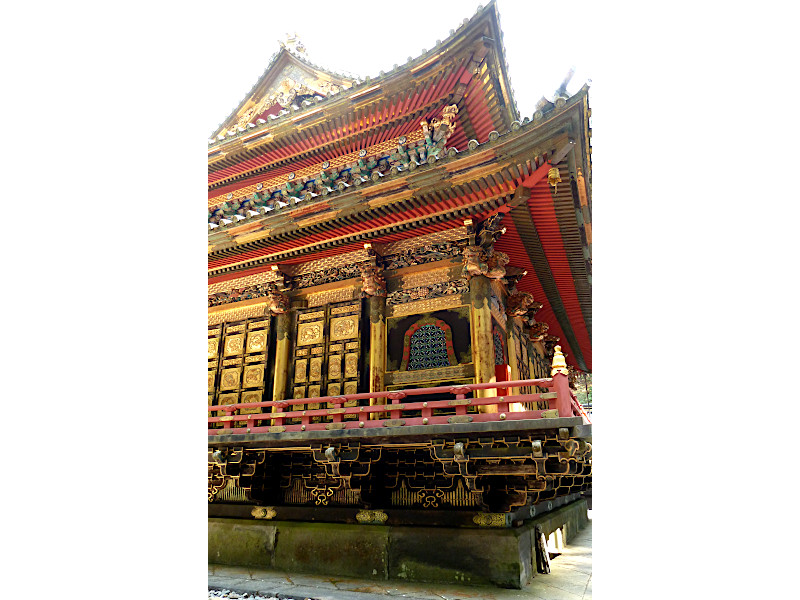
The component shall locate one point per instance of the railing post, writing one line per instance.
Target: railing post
(560, 377)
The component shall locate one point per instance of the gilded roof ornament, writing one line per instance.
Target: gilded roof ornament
(293, 44)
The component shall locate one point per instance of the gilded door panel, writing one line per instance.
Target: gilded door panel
(334, 389)
(335, 366)
(344, 328)
(315, 369)
(310, 333)
(257, 341)
(351, 365)
(300, 367)
(234, 345)
(230, 379)
(253, 376)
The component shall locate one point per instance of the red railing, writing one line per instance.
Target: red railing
(561, 398)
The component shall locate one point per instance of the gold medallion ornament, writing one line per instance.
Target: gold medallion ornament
(234, 344)
(213, 347)
(343, 328)
(309, 333)
(256, 341)
(230, 379)
(253, 376)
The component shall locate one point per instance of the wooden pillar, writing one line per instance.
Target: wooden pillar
(282, 328)
(480, 293)
(377, 344)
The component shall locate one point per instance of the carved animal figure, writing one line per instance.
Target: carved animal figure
(496, 265)
(474, 261)
(372, 282)
(277, 303)
(518, 304)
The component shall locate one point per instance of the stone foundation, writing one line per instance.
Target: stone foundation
(500, 556)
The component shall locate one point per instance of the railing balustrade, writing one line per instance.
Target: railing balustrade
(401, 412)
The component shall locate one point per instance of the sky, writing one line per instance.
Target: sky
(346, 36)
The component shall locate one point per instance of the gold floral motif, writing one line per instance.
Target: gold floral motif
(350, 387)
(234, 344)
(211, 381)
(334, 389)
(256, 341)
(299, 392)
(315, 369)
(371, 517)
(253, 376)
(351, 365)
(344, 327)
(309, 333)
(335, 348)
(314, 392)
(263, 512)
(490, 519)
(335, 366)
(301, 352)
(213, 347)
(230, 379)
(351, 346)
(300, 370)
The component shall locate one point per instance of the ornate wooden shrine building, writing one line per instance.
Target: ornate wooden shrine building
(384, 256)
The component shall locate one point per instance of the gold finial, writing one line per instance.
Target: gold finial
(559, 363)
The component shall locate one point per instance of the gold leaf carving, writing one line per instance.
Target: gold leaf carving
(351, 365)
(257, 341)
(335, 366)
(300, 370)
(343, 328)
(230, 379)
(309, 333)
(253, 376)
(213, 347)
(315, 369)
(234, 344)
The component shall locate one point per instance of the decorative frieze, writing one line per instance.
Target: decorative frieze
(427, 305)
(423, 254)
(436, 290)
(326, 297)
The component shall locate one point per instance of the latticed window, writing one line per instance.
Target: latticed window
(499, 348)
(428, 348)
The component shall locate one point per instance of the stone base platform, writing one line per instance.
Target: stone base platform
(503, 557)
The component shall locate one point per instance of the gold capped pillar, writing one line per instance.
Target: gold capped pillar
(480, 294)
(278, 305)
(282, 328)
(373, 286)
(377, 343)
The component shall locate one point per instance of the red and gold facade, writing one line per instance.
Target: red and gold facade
(383, 254)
